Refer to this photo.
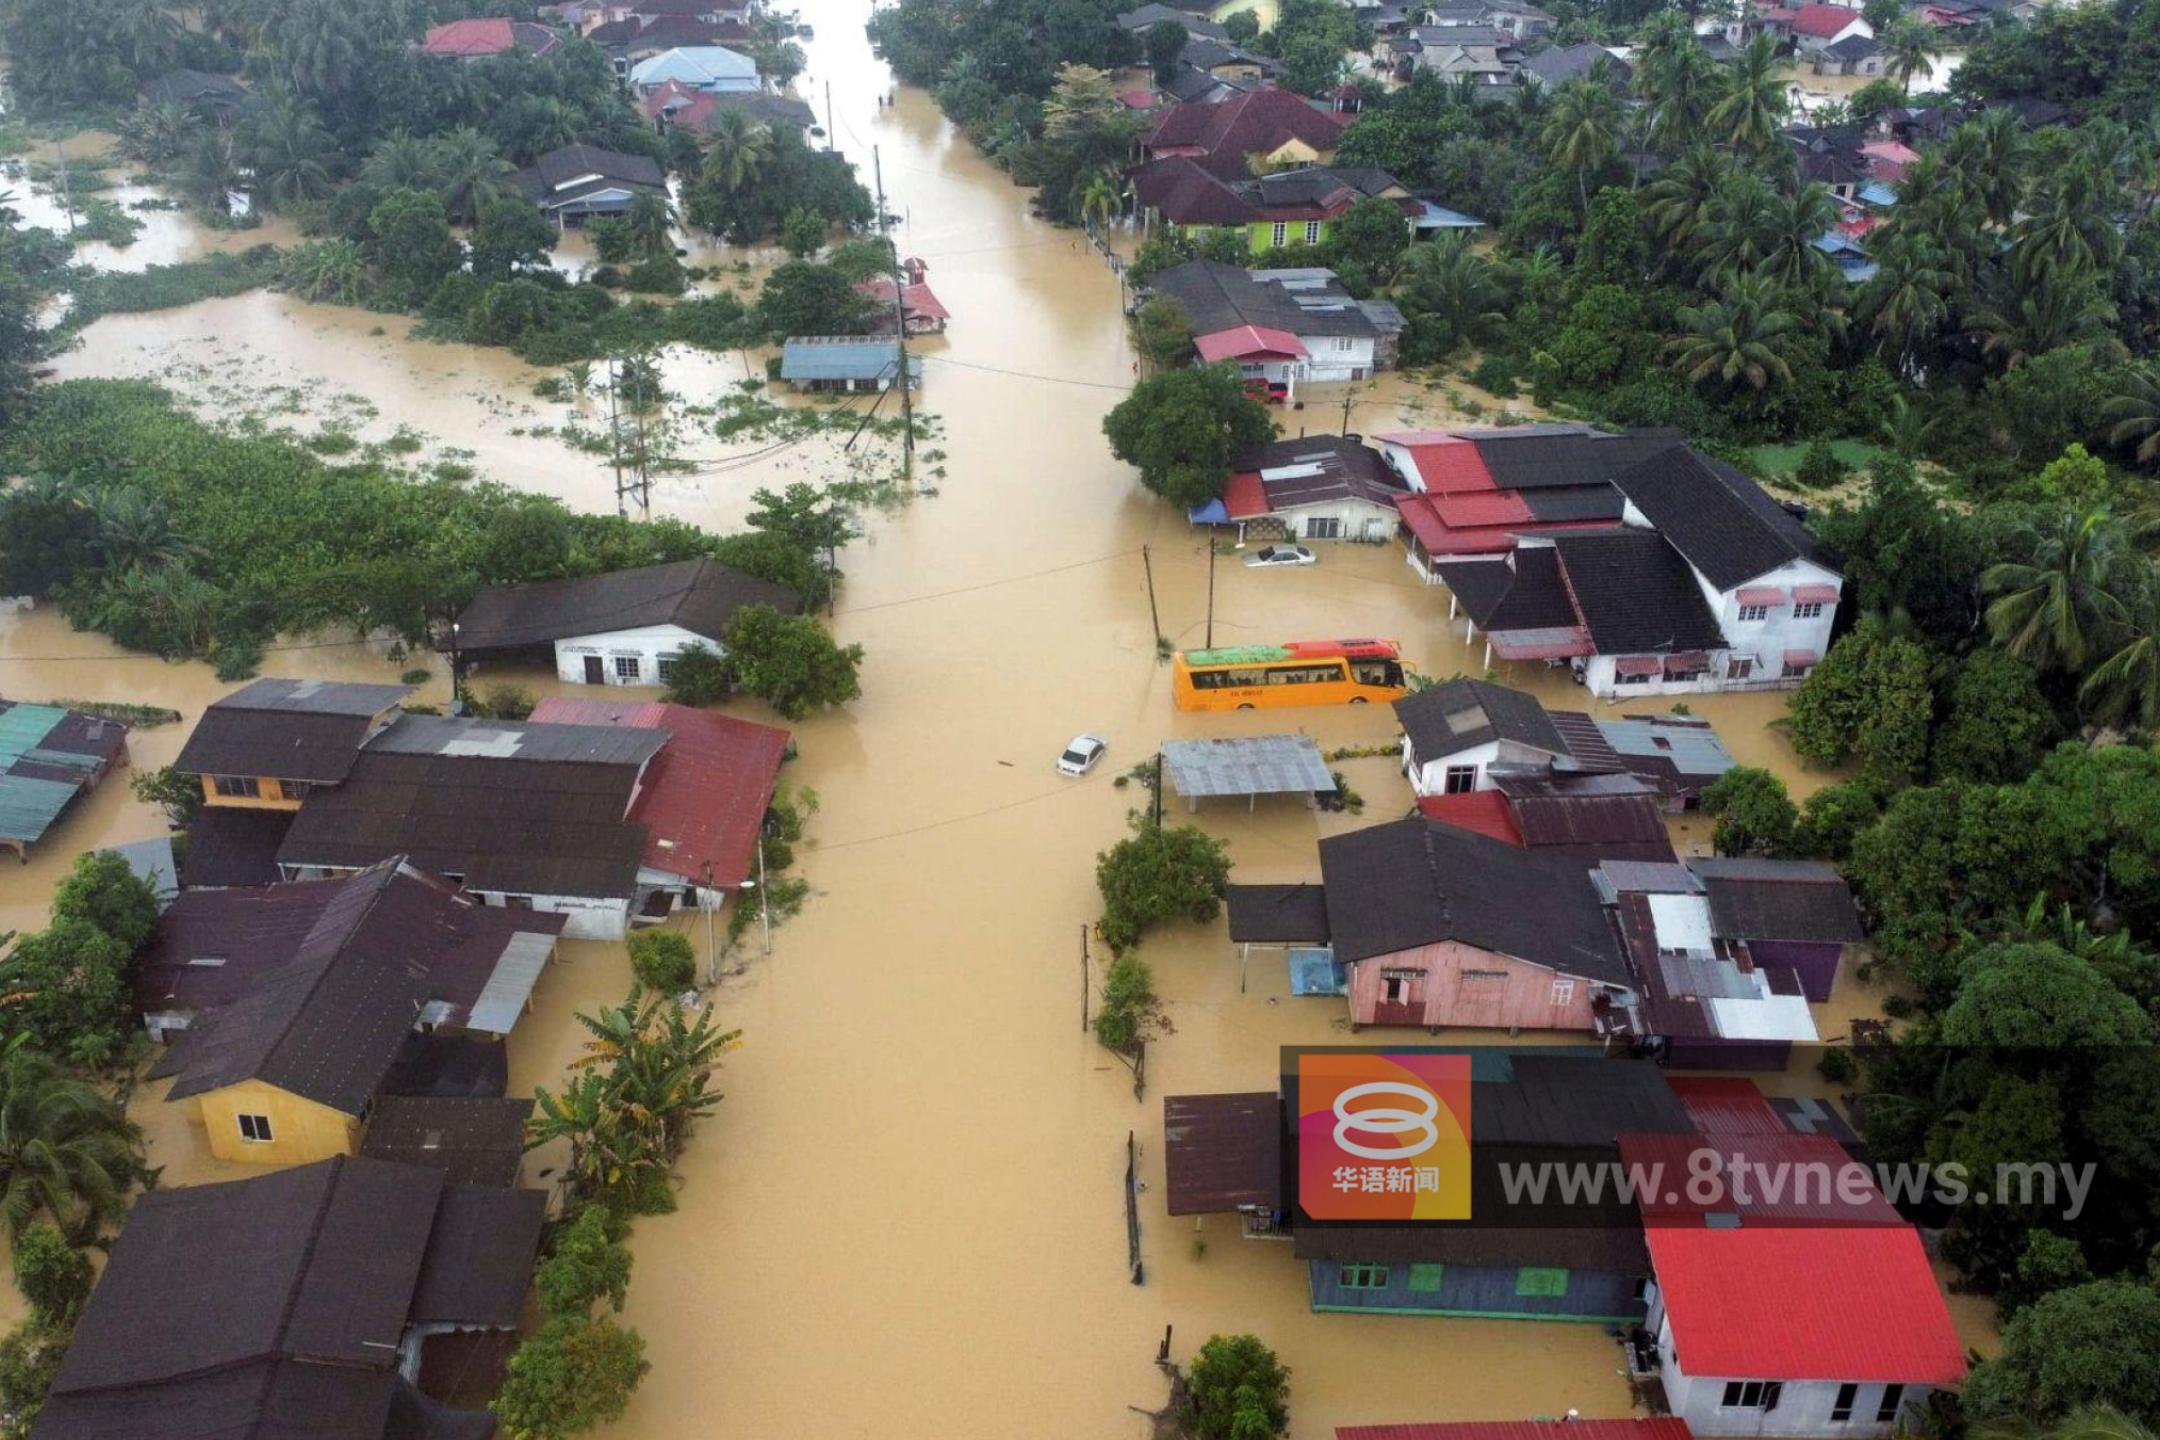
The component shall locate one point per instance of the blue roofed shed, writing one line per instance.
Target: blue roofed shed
(845, 362)
(48, 756)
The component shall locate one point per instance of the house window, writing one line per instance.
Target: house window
(1638, 677)
(293, 789)
(667, 669)
(238, 785)
(1282, 233)
(1739, 667)
(1400, 987)
(1460, 780)
(1563, 992)
(1363, 1277)
(1808, 610)
(517, 902)
(1751, 613)
(255, 1129)
(1540, 1280)
(1841, 1408)
(626, 667)
(1323, 527)
(1893, 1400)
(1426, 1279)
(1312, 232)
(1752, 1394)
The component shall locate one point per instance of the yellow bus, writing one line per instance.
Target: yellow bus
(1303, 672)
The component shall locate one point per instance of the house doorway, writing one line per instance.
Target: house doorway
(595, 672)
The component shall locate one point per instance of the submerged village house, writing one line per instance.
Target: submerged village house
(350, 1298)
(624, 627)
(287, 1006)
(50, 757)
(569, 819)
(1814, 1314)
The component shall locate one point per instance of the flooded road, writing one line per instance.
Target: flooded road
(907, 1217)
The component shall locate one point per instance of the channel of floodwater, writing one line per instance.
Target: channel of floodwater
(907, 1218)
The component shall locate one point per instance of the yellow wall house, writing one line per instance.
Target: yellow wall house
(264, 746)
(281, 1060)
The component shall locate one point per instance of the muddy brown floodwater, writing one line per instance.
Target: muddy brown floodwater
(907, 1218)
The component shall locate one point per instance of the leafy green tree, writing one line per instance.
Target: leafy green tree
(1833, 817)
(1735, 341)
(2126, 685)
(2093, 1344)
(1162, 333)
(1129, 1005)
(1751, 106)
(30, 1357)
(324, 270)
(102, 891)
(778, 559)
(46, 536)
(1156, 874)
(2049, 1262)
(1908, 557)
(1238, 1391)
(1372, 235)
(575, 1374)
(1871, 698)
(698, 676)
(1183, 428)
(414, 249)
(2133, 413)
(1996, 724)
(801, 298)
(69, 988)
(1582, 131)
(67, 1150)
(2023, 996)
(738, 152)
(52, 1274)
(790, 662)
(472, 172)
(802, 233)
(1754, 814)
(512, 236)
(1453, 297)
(663, 961)
(587, 1263)
(1910, 47)
(1165, 49)
(180, 795)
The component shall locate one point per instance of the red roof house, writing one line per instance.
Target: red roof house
(705, 794)
(478, 39)
(1250, 345)
(1827, 22)
(922, 311)
(1224, 136)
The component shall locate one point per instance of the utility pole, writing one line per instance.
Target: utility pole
(1155, 619)
(832, 136)
(1210, 594)
(614, 420)
(899, 302)
(67, 185)
(1348, 395)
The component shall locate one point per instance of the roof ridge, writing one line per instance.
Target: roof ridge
(307, 1256)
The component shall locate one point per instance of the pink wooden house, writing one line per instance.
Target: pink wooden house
(1442, 927)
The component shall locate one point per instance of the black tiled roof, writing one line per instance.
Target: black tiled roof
(1459, 715)
(288, 729)
(1778, 900)
(472, 1140)
(1542, 457)
(231, 846)
(1636, 593)
(1522, 592)
(1278, 914)
(1716, 517)
(1414, 882)
(479, 1259)
(700, 595)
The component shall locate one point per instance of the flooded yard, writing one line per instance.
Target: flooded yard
(907, 1217)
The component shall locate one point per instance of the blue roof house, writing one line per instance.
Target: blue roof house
(714, 69)
(845, 363)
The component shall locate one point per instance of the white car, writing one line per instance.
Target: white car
(1282, 555)
(1081, 753)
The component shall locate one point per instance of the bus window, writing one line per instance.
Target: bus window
(1205, 679)
(1240, 679)
(1378, 672)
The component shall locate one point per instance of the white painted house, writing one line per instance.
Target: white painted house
(1318, 487)
(1250, 314)
(1456, 733)
(622, 628)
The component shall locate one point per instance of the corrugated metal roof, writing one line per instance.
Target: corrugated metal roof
(1251, 765)
(510, 985)
(1722, 1106)
(1222, 1151)
(841, 357)
(152, 861)
(1693, 749)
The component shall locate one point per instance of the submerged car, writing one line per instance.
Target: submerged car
(1081, 753)
(1268, 555)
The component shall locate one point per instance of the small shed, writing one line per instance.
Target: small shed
(846, 363)
(1286, 917)
(1250, 766)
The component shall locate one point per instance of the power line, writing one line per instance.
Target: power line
(1029, 375)
(991, 584)
(941, 824)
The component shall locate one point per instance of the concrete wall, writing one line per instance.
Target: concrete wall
(301, 1131)
(1518, 996)
(1355, 520)
(1429, 776)
(1804, 1406)
(591, 917)
(1594, 1295)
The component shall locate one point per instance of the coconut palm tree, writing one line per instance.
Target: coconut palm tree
(1740, 230)
(1910, 47)
(402, 161)
(1678, 202)
(2016, 323)
(1735, 339)
(740, 150)
(135, 532)
(1099, 201)
(319, 44)
(473, 172)
(1455, 288)
(154, 134)
(2070, 225)
(1907, 429)
(1797, 221)
(2127, 683)
(2133, 413)
(324, 270)
(1751, 108)
(1992, 157)
(2050, 611)
(67, 1150)
(651, 222)
(290, 152)
(211, 172)
(1905, 305)
(1582, 133)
